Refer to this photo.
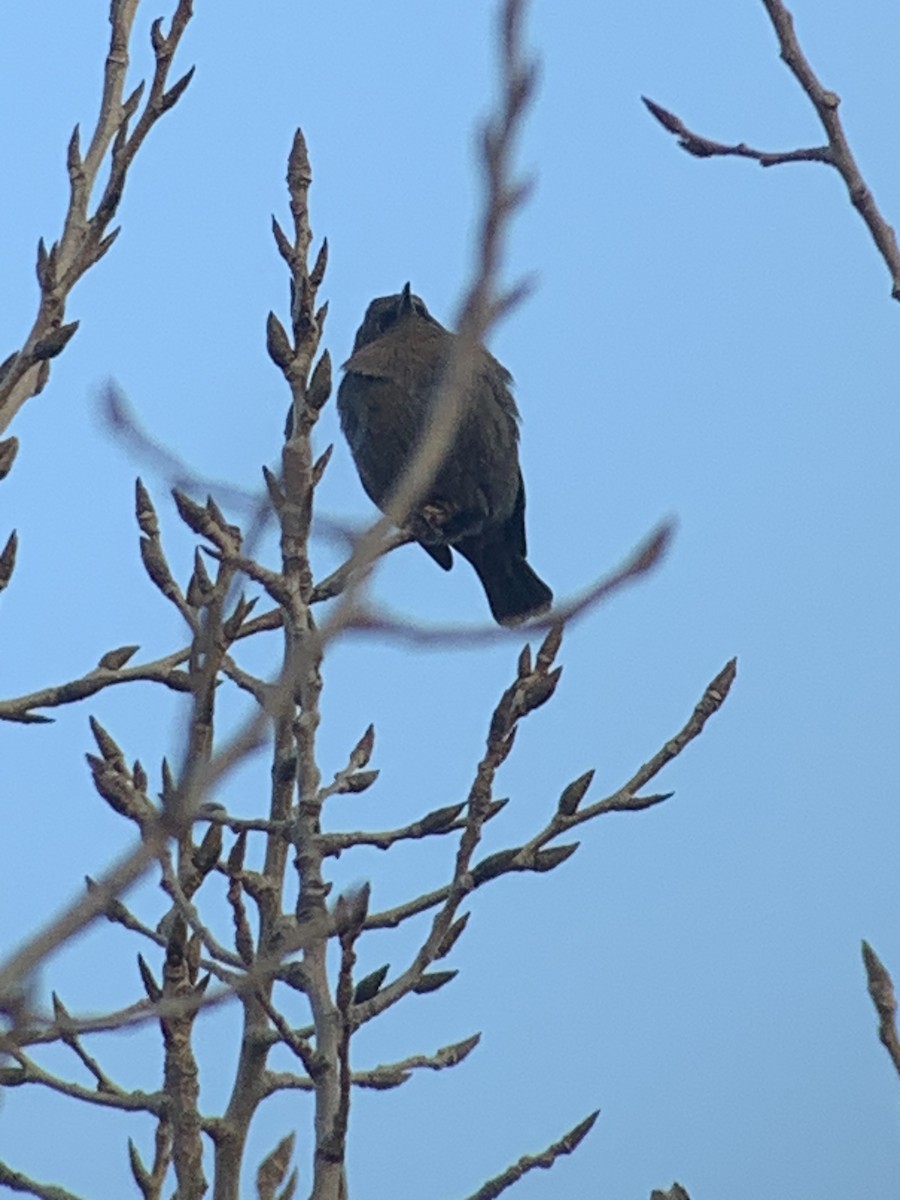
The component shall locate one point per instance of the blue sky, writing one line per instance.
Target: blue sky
(708, 341)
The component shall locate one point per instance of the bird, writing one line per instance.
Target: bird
(475, 504)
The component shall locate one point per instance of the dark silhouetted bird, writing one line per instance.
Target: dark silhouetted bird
(476, 503)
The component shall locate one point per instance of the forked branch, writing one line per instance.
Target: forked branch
(835, 153)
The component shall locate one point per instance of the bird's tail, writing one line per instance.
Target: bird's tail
(513, 590)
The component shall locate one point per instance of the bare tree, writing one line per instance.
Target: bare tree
(283, 920)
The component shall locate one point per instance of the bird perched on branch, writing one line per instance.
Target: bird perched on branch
(476, 502)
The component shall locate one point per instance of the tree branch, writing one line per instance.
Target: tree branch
(837, 153)
(881, 989)
(84, 239)
(566, 1144)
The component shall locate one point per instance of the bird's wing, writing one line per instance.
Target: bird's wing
(412, 365)
(498, 379)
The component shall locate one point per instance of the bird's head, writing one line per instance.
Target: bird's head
(384, 313)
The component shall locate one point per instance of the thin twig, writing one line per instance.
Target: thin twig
(533, 686)
(17, 1182)
(625, 798)
(643, 559)
(566, 1144)
(837, 153)
(881, 989)
(703, 147)
(27, 1071)
(160, 670)
(84, 239)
